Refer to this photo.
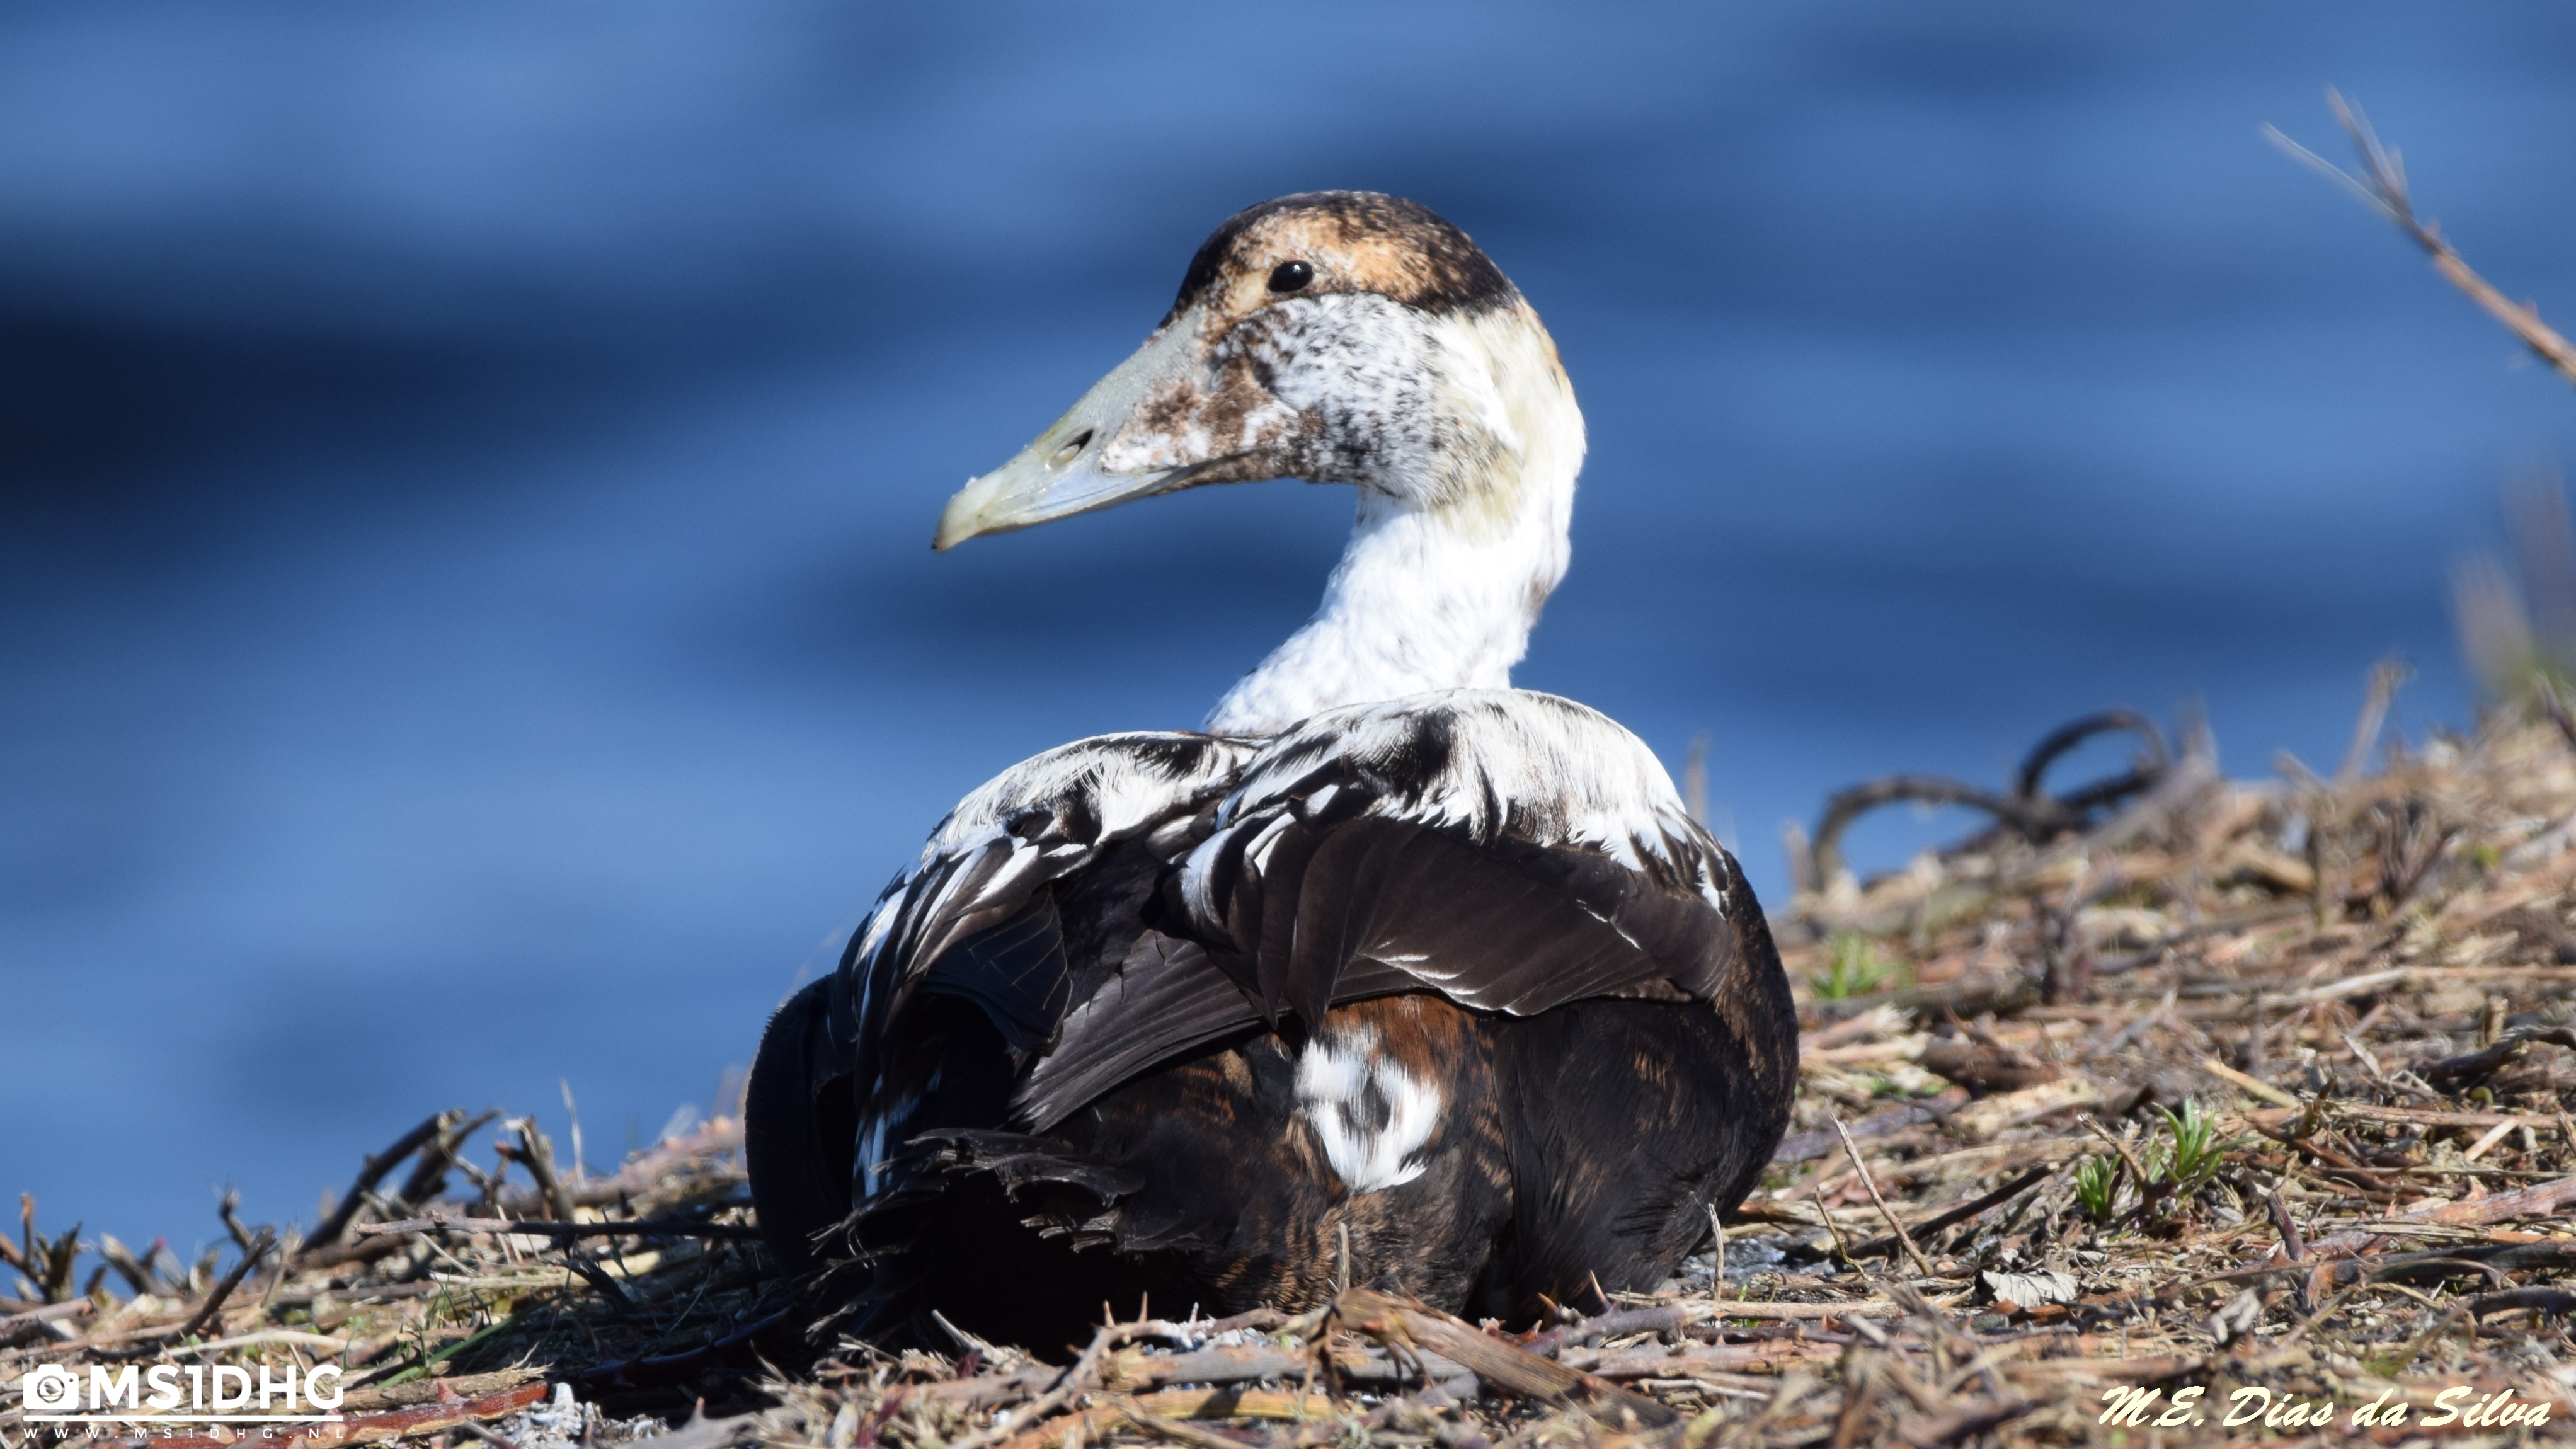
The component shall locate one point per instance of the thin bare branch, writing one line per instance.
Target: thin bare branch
(2381, 186)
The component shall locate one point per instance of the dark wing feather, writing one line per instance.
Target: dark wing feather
(988, 915)
(1366, 873)
(1371, 907)
(1337, 871)
(1165, 999)
(1382, 906)
(1016, 971)
(1502, 926)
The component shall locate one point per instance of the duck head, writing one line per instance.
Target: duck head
(1336, 336)
(1340, 337)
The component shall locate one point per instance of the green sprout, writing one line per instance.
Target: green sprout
(1854, 969)
(2097, 1186)
(2194, 1153)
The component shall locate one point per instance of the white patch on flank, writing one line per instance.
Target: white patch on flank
(1371, 1114)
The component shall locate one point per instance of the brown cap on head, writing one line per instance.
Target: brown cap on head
(1346, 241)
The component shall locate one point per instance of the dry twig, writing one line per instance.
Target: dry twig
(2381, 186)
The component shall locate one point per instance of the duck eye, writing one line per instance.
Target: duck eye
(1291, 276)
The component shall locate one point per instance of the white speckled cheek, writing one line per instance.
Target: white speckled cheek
(1358, 362)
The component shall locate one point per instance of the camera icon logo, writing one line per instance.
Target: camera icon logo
(49, 1389)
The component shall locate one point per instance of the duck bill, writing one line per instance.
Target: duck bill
(1060, 474)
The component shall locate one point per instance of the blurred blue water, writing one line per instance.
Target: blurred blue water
(465, 610)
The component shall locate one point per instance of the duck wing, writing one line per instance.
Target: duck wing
(1023, 900)
(1510, 850)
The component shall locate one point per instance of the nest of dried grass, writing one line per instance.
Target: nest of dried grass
(2187, 1083)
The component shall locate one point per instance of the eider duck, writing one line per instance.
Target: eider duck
(1393, 976)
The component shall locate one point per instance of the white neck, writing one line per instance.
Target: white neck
(1439, 588)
